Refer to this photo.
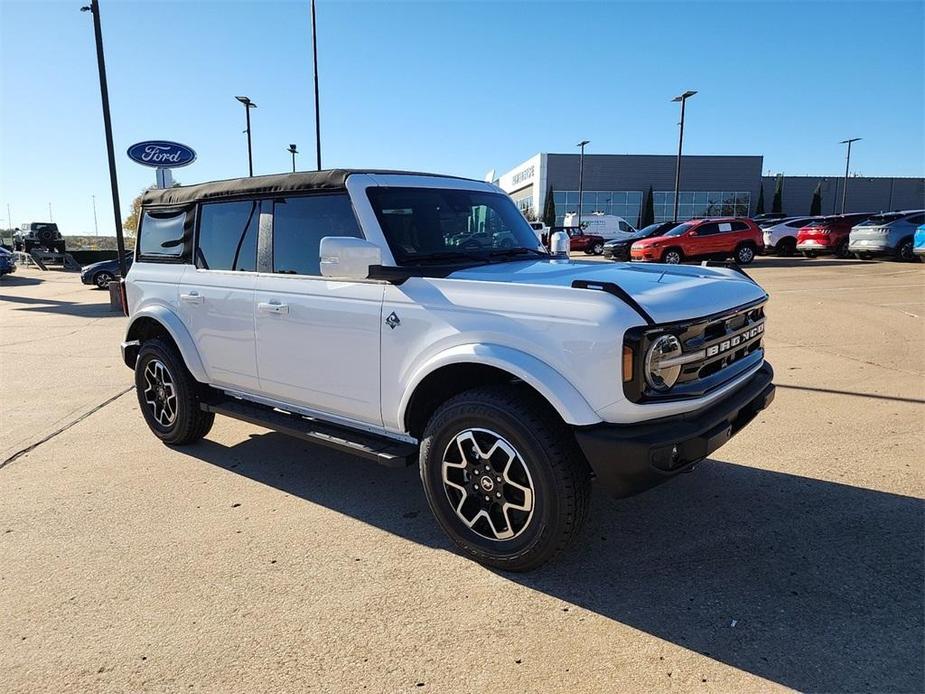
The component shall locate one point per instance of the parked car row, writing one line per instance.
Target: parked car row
(7, 264)
(862, 235)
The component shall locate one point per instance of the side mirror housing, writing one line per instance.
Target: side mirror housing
(346, 257)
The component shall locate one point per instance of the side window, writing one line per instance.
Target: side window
(228, 236)
(916, 219)
(300, 223)
(739, 226)
(707, 229)
(797, 223)
(624, 226)
(161, 233)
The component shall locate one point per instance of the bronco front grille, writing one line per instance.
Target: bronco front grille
(715, 350)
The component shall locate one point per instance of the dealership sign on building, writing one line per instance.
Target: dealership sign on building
(162, 155)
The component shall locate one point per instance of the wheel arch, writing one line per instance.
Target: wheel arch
(160, 321)
(468, 366)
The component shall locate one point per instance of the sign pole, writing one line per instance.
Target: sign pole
(94, 9)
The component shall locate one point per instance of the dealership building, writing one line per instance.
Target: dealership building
(710, 186)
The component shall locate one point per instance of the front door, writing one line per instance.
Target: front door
(216, 297)
(317, 339)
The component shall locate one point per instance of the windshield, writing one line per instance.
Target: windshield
(42, 226)
(679, 230)
(428, 224)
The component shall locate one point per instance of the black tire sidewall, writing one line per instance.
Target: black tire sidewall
(184, 385)
(443, 429)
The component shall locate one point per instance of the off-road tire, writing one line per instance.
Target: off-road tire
(744, 254)
(673, 256)
(559, 475)
(190, 422)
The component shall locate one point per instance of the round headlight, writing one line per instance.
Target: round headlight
(659, 377)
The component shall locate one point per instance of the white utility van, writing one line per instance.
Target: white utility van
(607, 226)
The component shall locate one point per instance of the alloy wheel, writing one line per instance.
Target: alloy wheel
(745, 254)
(672, 257)
(488, 484)
(103, 280)
(160, 395)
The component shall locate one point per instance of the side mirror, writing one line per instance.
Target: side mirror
(346, 257)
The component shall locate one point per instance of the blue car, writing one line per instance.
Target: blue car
(918, 241)
(6, 262)
(102, 273)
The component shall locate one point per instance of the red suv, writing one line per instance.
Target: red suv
(592, 244)
(739, 239)
(828, 235)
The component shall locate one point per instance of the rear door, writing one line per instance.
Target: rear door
(317, 338)
(216, 296)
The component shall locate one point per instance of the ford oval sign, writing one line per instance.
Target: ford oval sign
(161, 154)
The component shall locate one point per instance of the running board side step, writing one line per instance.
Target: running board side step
(379, 449)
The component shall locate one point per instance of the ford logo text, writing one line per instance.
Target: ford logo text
(161, 154)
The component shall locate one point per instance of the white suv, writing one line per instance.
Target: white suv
(416, 318)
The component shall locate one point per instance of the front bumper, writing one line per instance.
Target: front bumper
(617, 253)
(630, 458)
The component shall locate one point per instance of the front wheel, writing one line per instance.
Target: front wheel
(597, 248)
(744, 255)
(672, 256)
(504, 477)
(168, 395)
(102, 279)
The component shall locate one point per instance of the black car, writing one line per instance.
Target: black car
(619, 249)
(102, 273)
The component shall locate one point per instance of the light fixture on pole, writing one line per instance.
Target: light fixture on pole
(248, 105)
(677, 172)
(581, 175)
(317, 105)
(293, 151)
(94, 8)
(844, 192)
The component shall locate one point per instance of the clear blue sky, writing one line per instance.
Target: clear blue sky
(454, 87)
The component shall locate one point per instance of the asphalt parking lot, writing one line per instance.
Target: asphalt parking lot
(251, 562)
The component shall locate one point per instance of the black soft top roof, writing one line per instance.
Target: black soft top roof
(329, 180)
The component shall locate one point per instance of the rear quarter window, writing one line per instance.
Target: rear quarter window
(162, 235)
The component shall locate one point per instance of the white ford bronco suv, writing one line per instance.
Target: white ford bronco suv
(412, 318)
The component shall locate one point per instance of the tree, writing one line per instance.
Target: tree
(815, 207)
(648, 210)
(549, 210)
(777, 202)
(759, 208)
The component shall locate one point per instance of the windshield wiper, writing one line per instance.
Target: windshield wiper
(510, 252)
(442, 256)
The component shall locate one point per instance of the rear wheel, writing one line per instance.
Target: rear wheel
(786, 247)
(744, 254)
(672, 256)
(905, 251)
(168, 395)
(597, 248)
(504, 477)
(841, 250)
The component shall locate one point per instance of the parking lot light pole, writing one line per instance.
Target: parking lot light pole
(677, 172)
(293, 151)
(317, 104)
(248, 105)
(94, 9)
(844, 191)
(581, 174)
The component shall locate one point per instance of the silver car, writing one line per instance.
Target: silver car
(887, 233)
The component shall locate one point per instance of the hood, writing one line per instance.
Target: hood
(98, 265)
(667, 292)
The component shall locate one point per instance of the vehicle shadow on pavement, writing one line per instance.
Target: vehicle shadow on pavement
(18, 281)
(68, 308)
(811, 584)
